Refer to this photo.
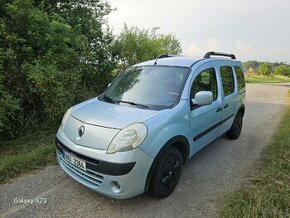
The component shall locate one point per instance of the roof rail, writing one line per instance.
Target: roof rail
(213, 53)
(162, 56)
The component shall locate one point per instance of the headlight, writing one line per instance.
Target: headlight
(129, 138)
(65, 116)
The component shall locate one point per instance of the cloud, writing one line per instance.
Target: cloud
(242, 47)
(247, 28)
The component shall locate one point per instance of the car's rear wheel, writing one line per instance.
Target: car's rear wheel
(235, 131)
(167, 173)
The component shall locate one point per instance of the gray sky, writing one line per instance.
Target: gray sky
(251, 29)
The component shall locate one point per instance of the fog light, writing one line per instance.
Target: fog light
(116, 187)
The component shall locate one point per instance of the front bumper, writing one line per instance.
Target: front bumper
(127, 169)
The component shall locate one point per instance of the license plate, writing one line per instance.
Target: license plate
(74, 160)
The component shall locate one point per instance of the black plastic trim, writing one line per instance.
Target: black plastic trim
(162, 56)
(219, 109)
(242, 92)
(212, 128)
(108, 168)
(213, 53)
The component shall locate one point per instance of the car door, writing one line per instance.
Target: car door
(204, 120)
(229, 97)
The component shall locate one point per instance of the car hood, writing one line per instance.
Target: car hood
(110, 115)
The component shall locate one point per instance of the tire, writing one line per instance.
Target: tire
(167, 173)
(236, 128)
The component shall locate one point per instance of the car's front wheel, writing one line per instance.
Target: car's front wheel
(235, 131)
(167, 173)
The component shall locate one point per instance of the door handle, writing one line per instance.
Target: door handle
(219, 109)
(226, 106)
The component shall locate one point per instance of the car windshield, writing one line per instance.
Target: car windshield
(154, 87)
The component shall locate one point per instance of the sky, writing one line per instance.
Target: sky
(251, 29)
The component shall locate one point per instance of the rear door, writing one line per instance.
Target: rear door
(229, 96)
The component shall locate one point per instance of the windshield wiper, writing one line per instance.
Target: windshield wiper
(135, 104)
(111, 99)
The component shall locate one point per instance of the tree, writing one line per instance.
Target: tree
(265, 69)
(283, 70)
(251, 65)
(136, 45)
(51, 54)
(87, 18)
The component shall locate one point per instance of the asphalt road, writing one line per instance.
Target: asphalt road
(215, 171)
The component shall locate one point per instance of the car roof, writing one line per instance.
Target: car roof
(181, 61)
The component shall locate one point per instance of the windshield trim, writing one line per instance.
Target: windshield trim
(154, 107)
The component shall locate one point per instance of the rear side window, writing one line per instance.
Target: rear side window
(227, 80)
(240, 77)
(205, 81)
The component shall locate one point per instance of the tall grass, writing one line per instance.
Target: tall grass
(30, 152)
(267, 192)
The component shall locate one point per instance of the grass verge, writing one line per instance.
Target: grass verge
(254, 78)
(267, 192)
(31, 152)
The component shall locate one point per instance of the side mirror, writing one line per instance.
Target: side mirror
(203, 98)
(109, 84)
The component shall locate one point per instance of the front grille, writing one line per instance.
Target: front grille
(89, 175)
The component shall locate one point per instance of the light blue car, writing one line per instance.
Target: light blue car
(152, 118)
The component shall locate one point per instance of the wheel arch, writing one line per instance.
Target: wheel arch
(179, 142)
(242, 109)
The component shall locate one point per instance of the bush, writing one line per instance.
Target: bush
(135, 45)
(9, 106)
(49, 59)
(283, 70)
(55, 90)
(265, 69)
(54, 54)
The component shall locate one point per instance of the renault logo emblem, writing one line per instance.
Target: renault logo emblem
(81, 131)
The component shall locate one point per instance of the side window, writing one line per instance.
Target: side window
(240, 77)
(227, 80)
(205, 81)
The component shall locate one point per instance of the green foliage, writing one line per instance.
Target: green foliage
(251, 65)
(8, 107)
(265, 69)
(136, 45)
(256, 78)
(31, 152)
(87, 17)
(56, 89)
(52, 55)
(283, 70)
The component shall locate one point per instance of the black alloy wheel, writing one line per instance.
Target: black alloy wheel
(167, 173)
(235, 130)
